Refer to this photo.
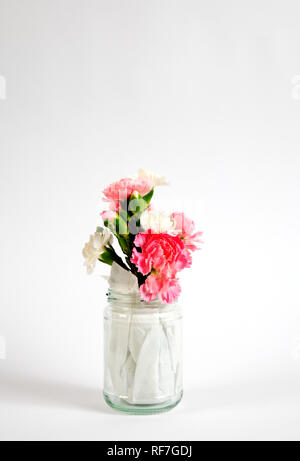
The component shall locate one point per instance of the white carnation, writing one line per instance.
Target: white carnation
(157, 221)
(94, 247)
(155, 179)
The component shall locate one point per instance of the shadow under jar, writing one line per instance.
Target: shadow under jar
(142, 354)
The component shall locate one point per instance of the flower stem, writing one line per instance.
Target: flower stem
(117, 258)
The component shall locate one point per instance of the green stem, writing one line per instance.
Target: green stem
(117, 258)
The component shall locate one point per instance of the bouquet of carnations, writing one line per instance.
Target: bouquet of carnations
(142, 346)
(154, 245)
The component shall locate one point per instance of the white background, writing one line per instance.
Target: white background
(205, 93)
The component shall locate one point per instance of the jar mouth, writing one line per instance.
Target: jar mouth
(133, 299)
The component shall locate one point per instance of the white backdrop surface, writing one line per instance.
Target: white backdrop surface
(206, 93)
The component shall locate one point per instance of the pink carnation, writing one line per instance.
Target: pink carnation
(161, 256)
(160, 252)
(121, 190)
(167, 289)
(108, 215)
(186, 230)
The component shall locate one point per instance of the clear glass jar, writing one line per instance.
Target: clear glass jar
(142, 354)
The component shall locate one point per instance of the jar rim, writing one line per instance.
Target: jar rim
(134, 298)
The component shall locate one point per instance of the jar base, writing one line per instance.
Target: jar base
(142, 409)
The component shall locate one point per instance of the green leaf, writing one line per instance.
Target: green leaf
(106, 257)
(124, 244)
(149, 196)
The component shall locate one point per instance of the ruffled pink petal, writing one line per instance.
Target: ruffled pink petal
(185, 228)
(108, 215)
(170, 291)
(143, 264)
(150, 289)
(121, 190)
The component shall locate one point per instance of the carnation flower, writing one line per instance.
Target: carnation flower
(166, 288)
(160, 252)
(95, 247)
(121, 190)
(157, 221)
(154, 178)
(185, 228)
(160, 256)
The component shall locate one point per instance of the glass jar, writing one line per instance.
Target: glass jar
(142, 354)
